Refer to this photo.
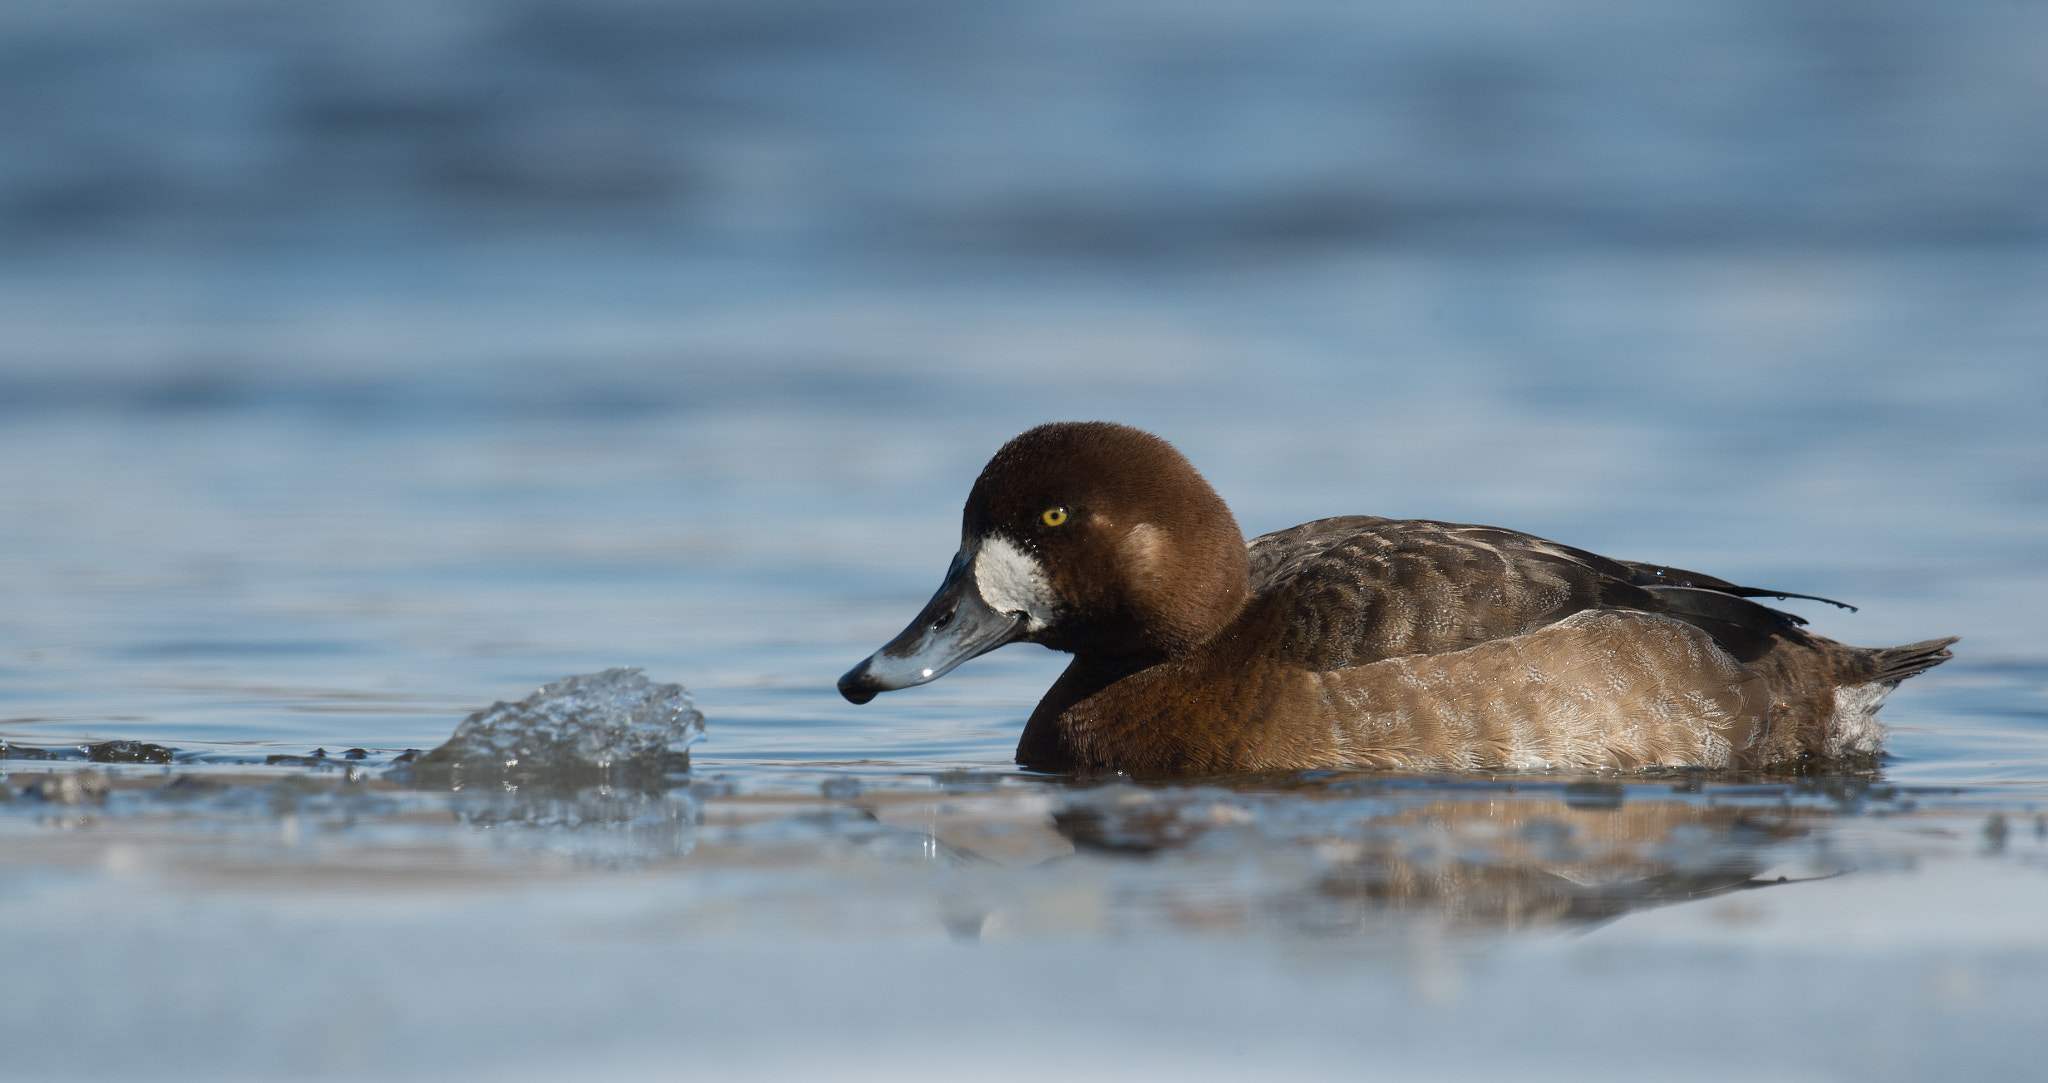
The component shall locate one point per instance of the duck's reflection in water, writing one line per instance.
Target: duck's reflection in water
(1022, 856)
(1475, 862)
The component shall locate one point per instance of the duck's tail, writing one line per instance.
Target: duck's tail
(1852, 729)
(1895, 664)
(1825, 707)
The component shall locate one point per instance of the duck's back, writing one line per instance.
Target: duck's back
(1357, 588)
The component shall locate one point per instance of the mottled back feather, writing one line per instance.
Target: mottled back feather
(1358, 589)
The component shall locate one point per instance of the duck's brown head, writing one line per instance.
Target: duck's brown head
(1087, 537)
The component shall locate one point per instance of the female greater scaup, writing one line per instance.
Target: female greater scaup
(1359, 642)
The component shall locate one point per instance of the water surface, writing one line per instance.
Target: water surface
(362, 367)
(257, 528)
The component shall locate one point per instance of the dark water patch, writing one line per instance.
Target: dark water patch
(707, 122)
(531, 390)
(13, 751)
(129, 752)
(1594, 795)
(228, 648)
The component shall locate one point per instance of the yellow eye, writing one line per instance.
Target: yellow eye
(1053, 516)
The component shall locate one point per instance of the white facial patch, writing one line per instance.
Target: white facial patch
(1012, 581)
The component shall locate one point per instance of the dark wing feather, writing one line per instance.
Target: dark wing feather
(1742, 627)
(1356, 589)
(1648, 574)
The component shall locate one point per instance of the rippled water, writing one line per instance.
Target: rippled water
(361, 368)
(254, 527)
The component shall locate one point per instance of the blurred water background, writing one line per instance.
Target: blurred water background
(364, 363)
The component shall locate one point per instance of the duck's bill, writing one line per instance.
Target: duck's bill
(955, 625)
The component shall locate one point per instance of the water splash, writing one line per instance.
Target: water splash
(614, 727)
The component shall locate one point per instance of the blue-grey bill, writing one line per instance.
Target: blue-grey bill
(954, 626)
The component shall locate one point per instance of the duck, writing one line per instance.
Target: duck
(1360, 643)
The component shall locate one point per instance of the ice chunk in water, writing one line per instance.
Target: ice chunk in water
(616, 726)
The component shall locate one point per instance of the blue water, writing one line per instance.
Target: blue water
(346, 520)
(364, 365)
